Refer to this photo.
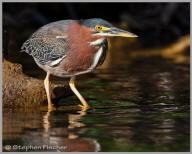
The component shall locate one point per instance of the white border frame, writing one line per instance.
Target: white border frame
(117, 1)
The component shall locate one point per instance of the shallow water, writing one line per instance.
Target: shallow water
(139, 105)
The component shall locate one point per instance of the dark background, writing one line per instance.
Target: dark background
(156, 23)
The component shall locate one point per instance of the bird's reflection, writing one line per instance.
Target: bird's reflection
(46, 123)
(72, 142)
(74, 121)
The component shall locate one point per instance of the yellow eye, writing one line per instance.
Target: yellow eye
(98, 27)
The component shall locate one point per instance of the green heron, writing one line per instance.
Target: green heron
(68, 48)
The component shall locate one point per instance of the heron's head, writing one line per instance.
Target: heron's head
(103, 28)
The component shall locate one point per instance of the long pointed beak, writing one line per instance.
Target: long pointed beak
(120, 32)
(116, 32)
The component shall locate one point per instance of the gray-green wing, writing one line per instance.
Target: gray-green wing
(46, 50)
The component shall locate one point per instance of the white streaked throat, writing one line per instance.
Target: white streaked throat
(97, 42)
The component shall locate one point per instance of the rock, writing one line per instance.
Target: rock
(19, 89)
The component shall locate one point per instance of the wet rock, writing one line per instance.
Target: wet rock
(20, 90)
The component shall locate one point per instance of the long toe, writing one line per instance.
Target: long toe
(51, 106)
(83, 107)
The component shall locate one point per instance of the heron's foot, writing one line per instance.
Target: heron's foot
(51, 106)
(83, 107)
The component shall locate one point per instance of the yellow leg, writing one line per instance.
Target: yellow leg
(47, 89)
(73, 88)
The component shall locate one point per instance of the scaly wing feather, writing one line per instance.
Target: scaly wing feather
(46, 50)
